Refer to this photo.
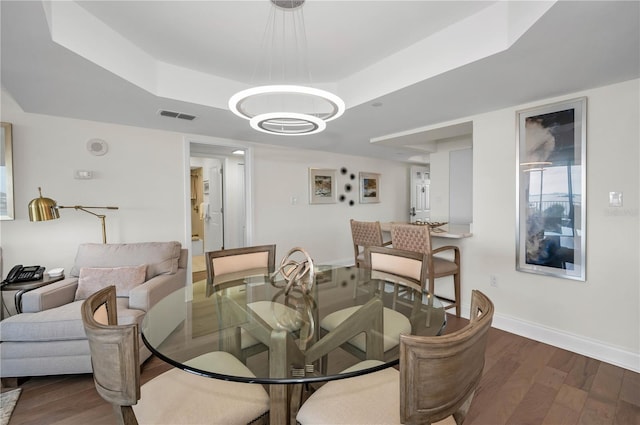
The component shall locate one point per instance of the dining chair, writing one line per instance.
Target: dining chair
(174, 396)
(436, 382)
(229, 265)
(412, 237)
(411, 268)
(365, 233)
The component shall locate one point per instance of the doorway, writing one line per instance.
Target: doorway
(420, 194)
(217, 201)
(207, 204)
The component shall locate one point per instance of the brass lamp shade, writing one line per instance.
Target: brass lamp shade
(43, 209)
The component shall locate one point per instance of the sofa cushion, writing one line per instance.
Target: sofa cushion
(92, 279)
(60, 323)
(160, 257)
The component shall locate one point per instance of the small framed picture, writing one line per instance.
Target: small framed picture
(6, 173)
(322, 186)
(369, 188)
(205, 188)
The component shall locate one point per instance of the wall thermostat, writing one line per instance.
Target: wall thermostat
(97, 147)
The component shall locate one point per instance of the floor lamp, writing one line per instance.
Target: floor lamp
(43, 209)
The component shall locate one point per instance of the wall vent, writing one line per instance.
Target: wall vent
(178, 115)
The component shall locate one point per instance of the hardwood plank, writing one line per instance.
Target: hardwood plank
(530, 362)
(534, 406)
(563, 360)
(559, 414)
(627, 413)
(597, 412)
(550, 377)
(607, 382)
(486, 402)
(498, 343)
(582, 372)
(572, 398)
(630, 388)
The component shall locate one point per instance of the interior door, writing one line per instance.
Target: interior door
(214, 217)
(420, 208)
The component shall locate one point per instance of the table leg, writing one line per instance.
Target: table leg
(279, 411)
(284, 358)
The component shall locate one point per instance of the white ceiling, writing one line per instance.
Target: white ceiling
(422, 62)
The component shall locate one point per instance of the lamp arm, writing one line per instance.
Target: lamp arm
(100, 216)
(85, 209)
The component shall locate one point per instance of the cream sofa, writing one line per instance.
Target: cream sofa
(48, 337)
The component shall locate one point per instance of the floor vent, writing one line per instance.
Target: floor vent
(179, 115)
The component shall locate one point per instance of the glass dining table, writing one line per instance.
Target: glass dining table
(282, 337)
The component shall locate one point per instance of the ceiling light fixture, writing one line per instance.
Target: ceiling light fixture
(286, 109)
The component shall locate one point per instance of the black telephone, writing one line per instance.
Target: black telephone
(24, 274)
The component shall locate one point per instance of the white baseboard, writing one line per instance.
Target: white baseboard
(567, 341)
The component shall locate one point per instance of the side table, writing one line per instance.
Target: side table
(22, 287)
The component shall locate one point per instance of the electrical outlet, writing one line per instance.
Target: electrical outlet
(493, 280)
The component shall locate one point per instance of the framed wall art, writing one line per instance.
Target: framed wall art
(369, 188)
(6, 173)
(322, 186)
(551, 185)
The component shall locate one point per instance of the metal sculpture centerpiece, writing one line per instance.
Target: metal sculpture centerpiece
(295, 273)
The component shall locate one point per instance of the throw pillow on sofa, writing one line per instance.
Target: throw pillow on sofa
(93, 279)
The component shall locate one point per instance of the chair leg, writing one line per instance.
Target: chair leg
(124, 415)
(456, 290)
(460, 415)
(324, 364)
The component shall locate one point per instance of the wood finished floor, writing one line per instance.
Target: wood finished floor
(525, 383)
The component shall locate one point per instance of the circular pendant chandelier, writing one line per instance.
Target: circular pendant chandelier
(286, 109)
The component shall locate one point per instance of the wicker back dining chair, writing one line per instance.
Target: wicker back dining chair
(364, 234)
(437, 380)
(411, 237)
(174, 396)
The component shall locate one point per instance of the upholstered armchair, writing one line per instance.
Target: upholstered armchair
(48, 337)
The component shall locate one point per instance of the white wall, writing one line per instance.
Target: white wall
(443, 186)
(461, 186)
(439, 187)
(141, 173)
(234, 182)
(604, 310)
(323, 229)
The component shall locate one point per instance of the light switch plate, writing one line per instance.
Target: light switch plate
(615, 199)
(83, 174)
